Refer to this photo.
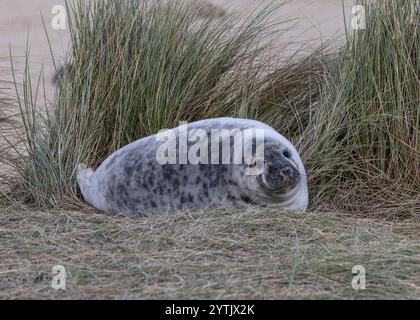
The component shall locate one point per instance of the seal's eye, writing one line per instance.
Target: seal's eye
(287, 154)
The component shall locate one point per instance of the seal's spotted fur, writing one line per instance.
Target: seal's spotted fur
(131, 181)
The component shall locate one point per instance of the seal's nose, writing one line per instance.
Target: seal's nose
(281, 178)
(291, 175)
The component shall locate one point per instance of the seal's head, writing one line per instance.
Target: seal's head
(282, 180)
(281, 174)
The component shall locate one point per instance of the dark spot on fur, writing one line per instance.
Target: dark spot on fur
(176, 183)
(128, 170)
(111, 193)
(214, 183)
(231, 197)
(246, 199)
(233, 183)
(139, 166)
(151, 180)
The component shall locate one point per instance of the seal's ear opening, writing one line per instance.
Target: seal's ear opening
(62, 73)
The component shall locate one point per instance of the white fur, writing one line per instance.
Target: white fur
(91, 183)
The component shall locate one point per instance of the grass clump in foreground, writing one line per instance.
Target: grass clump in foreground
(239, 254)
(140, 66)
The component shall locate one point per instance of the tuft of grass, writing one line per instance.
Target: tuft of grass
(240, 254)
(379, 73)
(363, 142)
(141, 66)
(287, 96)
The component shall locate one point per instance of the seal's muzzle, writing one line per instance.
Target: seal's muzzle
(280, 176)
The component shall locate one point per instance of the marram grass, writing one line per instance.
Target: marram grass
(140, 66)
(365, 137)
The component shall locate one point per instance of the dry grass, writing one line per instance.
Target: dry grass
(289, 94)
(245, 254)
(361, 166)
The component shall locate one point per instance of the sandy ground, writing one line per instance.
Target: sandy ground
(20, 18)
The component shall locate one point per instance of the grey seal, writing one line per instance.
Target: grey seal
(135, 181)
